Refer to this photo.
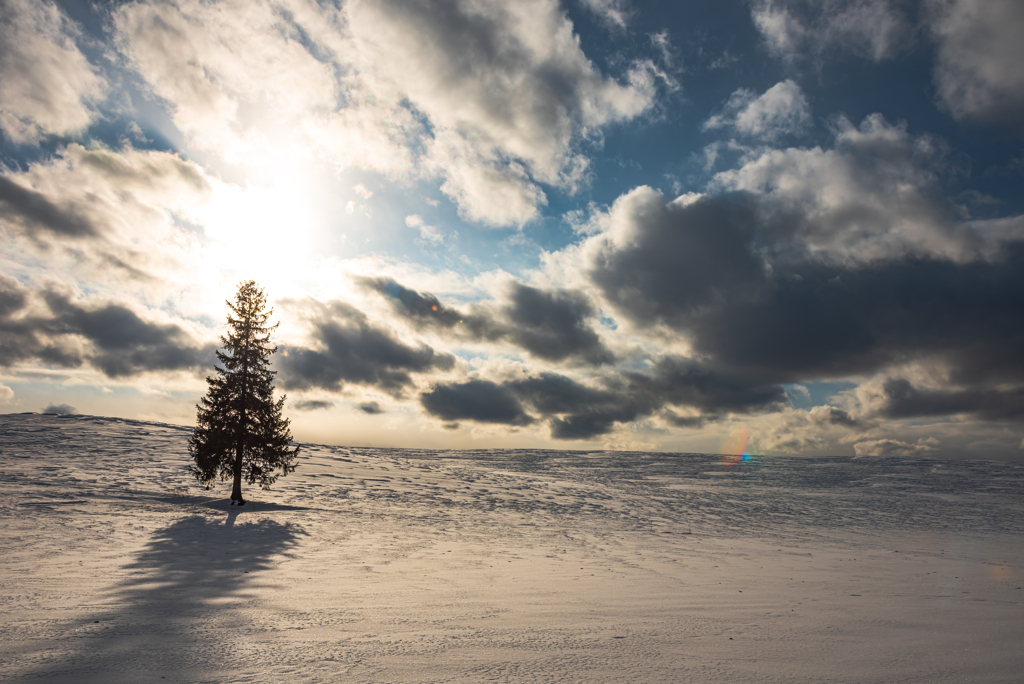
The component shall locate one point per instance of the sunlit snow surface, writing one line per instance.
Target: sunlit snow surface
(386, 565)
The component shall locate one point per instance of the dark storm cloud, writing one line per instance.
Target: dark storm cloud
(32, 211)
(578, 411)
(829, 321)
(28, 337)
(124, 343)
(687, 421)
(581, 412)
(698, 269)
(116, 340)
(680, 259)
(906, 401)
(551, 325)
(835, 416)
(710, 388)
(424, 309)
(370, 407)
(312, 405)
(353, 351)
(13, 296)
(479, 400)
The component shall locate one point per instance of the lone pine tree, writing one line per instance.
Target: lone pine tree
(239, 427)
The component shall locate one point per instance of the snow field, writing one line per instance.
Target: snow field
(377, 565)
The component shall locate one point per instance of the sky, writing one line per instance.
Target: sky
(775, 227)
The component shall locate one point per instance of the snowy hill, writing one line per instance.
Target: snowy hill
(501, 565)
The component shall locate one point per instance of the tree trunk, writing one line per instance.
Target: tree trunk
(236, 489)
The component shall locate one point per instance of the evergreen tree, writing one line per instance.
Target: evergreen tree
(239, 427)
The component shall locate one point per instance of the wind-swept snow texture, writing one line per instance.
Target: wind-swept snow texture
(387, 565)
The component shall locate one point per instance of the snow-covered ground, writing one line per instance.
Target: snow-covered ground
(386, 565)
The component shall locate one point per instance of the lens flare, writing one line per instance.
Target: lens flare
(734, 448)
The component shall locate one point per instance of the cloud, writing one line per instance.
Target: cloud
(428, 234)
(782, 31)
(613, 13)
(819, 430)
(312, 405)
(977, 68)
(553, 325)
(13, 296)
(832, 415)
(423, 309)
(33, 212)
(808, 265)
(576, 411)
(123, 343)
(51, 328)
(214, 63)
(709, 386)
(817, 321)
(877, 194)
(362, 191)
(781, 110)
(872, 29)
(903, 400)
(47, 86)
(493, 98)
(487, 192)
(891, 447)
(661, 261)
(108, 212)
(507, 88)
(370, 407)
(349, 349)
(687, 421)
(6, 394)
(550, 325)
(478, 400)
(59, 410)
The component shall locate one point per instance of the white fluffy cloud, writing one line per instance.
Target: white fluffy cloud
(219, 64)
(46, 83)
(486, 191)
(873, 29)
(893, 447)
(875, 195)
(103, 212)
(781, 109)
(980, 53)
(494, 98)
(507, 89)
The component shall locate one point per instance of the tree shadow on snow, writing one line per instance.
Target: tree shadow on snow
(249, 507)
(180, 614)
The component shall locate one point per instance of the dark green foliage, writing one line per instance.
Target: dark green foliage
(240, 431)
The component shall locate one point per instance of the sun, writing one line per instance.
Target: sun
(267, 232)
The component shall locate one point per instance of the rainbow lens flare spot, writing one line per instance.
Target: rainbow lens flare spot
(734, 448)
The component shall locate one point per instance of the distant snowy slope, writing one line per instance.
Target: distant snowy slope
(86, 456)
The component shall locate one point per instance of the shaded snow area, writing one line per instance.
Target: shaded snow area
(388, 565)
